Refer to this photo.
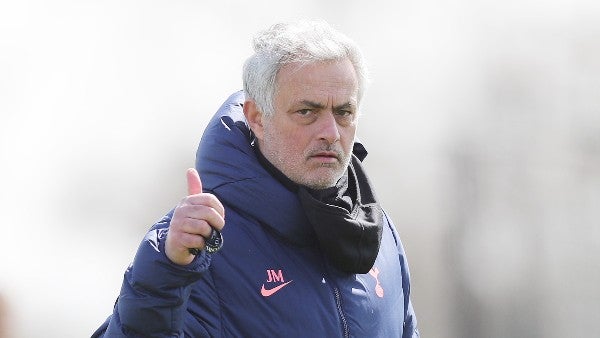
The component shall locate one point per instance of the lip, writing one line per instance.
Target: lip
(325, 156)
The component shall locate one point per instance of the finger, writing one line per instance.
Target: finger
(196, 227)
(208, 200)
(203, 213)
(194, 184)
(190, 241)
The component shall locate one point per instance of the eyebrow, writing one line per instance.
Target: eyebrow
(317, 105)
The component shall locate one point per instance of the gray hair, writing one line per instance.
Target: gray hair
(301, 42)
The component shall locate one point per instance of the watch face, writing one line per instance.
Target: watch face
(213, 244)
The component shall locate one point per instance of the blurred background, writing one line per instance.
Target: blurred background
(482, 122)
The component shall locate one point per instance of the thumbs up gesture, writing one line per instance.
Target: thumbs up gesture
(193, 221)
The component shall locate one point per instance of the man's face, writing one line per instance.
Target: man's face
(311, 133)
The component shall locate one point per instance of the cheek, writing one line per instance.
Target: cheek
(347, 138)
(292, 149)
(285, 144)
(296, 140)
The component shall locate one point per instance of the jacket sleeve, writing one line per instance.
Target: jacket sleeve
(155, 291)
(410, 329)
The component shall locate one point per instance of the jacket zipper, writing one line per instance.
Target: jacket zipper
(338, 300)
(338, 303)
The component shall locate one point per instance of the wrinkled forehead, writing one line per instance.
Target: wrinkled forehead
(317, 81)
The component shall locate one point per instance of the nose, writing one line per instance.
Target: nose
(329, 128)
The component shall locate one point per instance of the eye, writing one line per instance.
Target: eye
(345, 114)
(304, 112)
(305, 115)
(345, 117)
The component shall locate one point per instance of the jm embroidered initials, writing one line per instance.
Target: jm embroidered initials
(274, 276)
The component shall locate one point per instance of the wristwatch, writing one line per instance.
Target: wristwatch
(214, 243)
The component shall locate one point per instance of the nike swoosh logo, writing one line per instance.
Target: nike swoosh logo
(270, 292)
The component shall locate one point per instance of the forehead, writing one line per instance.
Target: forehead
(326, 80)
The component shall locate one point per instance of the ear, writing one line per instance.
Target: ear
(255, 118)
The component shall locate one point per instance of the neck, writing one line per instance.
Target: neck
(286, 181)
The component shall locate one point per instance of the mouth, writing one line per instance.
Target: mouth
(325, 156)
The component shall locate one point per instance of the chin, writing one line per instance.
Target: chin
(321, 182)
(319, 186)
(320, 178)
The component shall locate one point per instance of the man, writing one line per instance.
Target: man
(308, 251)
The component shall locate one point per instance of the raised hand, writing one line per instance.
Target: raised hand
(193, 221)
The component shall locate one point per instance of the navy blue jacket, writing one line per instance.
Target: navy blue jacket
(270, 279)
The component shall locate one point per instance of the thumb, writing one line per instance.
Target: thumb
(194, 184)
